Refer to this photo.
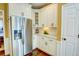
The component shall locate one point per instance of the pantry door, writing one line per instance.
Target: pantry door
(70, 30)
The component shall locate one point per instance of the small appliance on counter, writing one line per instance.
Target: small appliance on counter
(37, 30)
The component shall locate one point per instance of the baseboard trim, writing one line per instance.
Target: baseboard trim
(7, 55)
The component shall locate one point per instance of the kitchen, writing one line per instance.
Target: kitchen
(45, 27)
(44, 31)
(41, 26)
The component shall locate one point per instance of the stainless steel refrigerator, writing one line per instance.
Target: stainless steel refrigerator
(21, 35)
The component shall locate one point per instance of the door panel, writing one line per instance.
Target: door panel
(51, 46)
(68, 21)
(70, 30)
(41, 43)
(69, 46)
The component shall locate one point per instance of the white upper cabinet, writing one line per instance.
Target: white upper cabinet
(35, 17)
(20, 10)
(48, 15)
(29, 11)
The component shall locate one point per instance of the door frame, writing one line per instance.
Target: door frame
(3, 28)
(10, 28)
(61, 33)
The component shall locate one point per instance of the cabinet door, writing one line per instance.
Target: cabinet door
(48, 45)
(52, 47)
(41, 42)
(43, 18)
(35, 38)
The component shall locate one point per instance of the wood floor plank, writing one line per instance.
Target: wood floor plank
(2, 53)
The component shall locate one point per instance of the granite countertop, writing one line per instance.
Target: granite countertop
(48, 36)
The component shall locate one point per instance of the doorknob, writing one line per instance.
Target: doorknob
(64, 39)
(78, 35)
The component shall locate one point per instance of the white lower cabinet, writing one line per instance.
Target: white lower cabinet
(51, 47)
(48, 45)
(41, 44)
(35, 37)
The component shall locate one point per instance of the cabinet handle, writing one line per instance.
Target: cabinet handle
(50, 40)
(46, 43)
(42, 38)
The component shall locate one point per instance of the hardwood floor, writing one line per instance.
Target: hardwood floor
(2, 53)
(37, 52)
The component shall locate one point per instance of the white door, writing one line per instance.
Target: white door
(17, 35)
(70, 30)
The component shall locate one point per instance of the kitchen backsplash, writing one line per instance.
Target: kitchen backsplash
(47, 31)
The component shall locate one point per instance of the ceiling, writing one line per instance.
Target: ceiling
(39, 5)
